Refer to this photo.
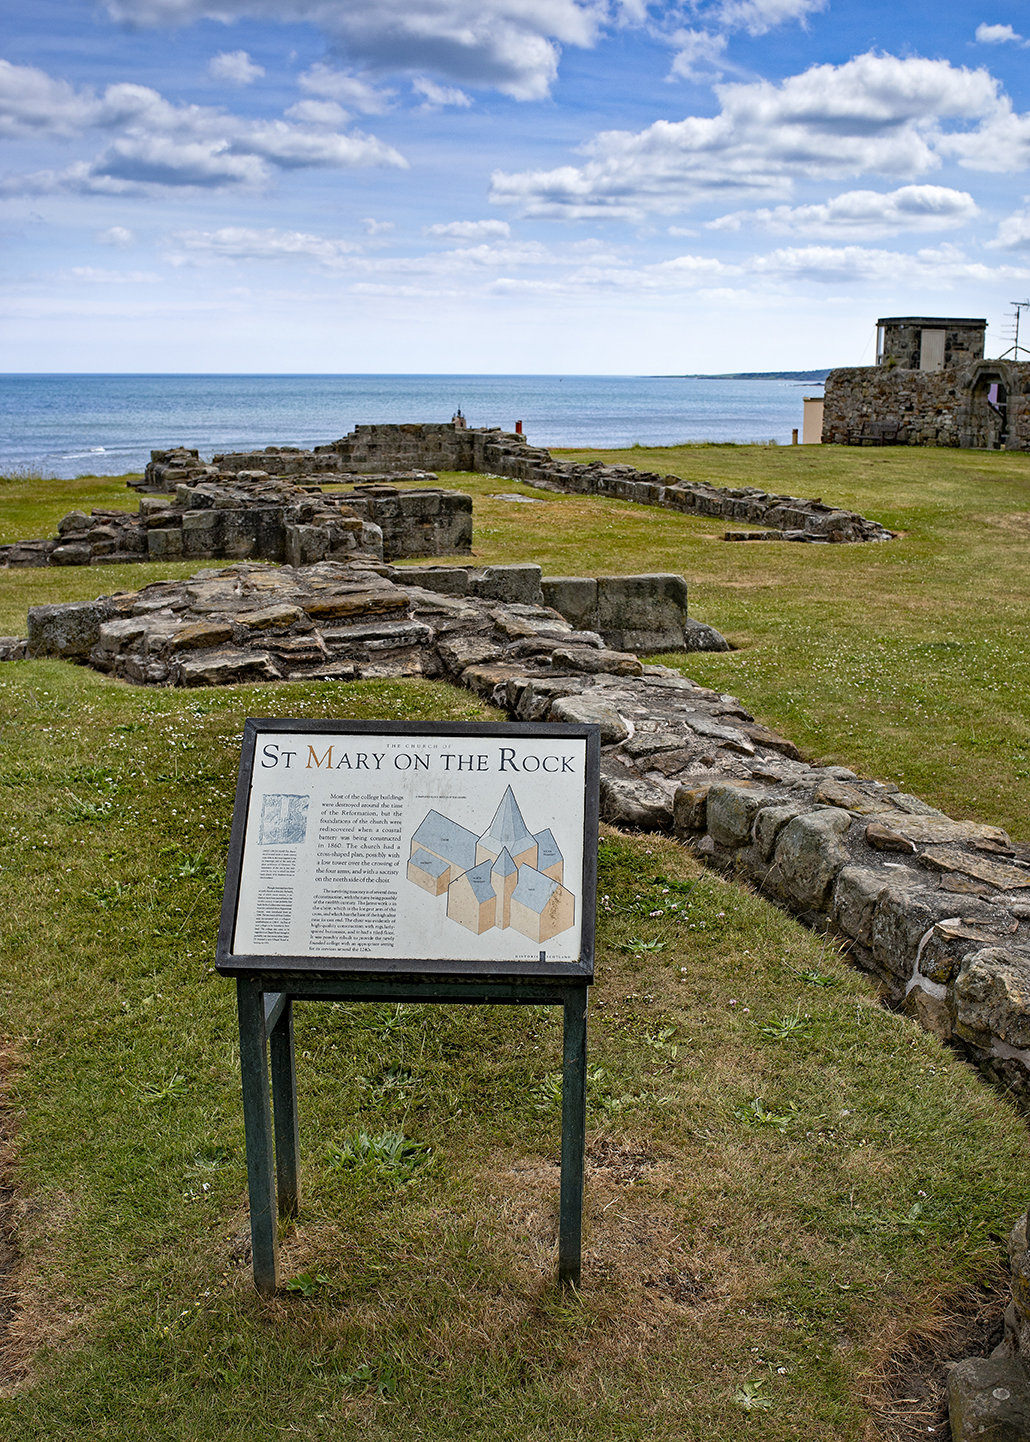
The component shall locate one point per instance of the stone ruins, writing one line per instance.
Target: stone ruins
(251, 514)
(930, 386)
(938, 910)
(294, 506)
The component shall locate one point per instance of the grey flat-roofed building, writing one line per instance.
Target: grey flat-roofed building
(927, 342)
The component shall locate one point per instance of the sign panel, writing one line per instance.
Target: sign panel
(413, 848)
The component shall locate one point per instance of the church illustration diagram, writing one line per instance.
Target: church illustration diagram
(506, 877)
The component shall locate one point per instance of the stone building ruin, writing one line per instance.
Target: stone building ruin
(931, 386)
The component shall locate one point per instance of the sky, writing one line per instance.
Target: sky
(505, 186)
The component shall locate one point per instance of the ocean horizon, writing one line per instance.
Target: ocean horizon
(66, 424)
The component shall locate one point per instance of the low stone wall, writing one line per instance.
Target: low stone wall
(414, 523)
(937, 909)
(632, 613)
(392, 448)
(252, 515)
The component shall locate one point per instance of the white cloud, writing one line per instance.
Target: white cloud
(116, 235)
(235, 67)
(1013, 232)
(352, 90)
(158, 143)
(32, 102)
(377, 227)
(863, 212)
(701, 51)
(510, 45)
(874, 114)
(1000, 143)
(944, 267)
(326, 113)
(470, 230)
(697, 51)
(91, 275)
(758, 17)
(436, 96)
(235, 242)
(997, 35)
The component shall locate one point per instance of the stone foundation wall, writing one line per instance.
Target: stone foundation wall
(414, 523)
(410, 448)
(250, 515)
(937, 909)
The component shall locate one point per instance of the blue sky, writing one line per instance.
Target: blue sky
(529, 186)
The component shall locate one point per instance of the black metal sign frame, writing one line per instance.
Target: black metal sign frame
(269, 983)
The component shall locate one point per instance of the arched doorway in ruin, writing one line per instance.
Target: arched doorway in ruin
(988, 407)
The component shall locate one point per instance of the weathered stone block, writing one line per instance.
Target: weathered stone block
(591, 711)
(769, 822)
(699, 637)
(690, 809)
(200, 634)
(574, 597)
(226, 667)
(592, 660)
(991, 997)
(75, 554)
(164, 543)
(447, 580)
(989, 1400)
(305, 545)
(642, 613)
(627, 800)
(855, 894)
(74, 522)
(70, 630)
(904, 914)
(731, 814)
(931, 1012)
(201, 533)
(461, 651)
(272, 618)
(520, 584)
(808, 855)
(359, 601)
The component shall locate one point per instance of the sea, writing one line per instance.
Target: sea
(70, 425)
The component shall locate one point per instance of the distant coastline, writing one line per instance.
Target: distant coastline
(816, 377)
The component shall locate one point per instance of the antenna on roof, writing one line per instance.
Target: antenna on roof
(1018, 307)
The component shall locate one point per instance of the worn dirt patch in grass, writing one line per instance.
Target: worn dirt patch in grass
(1016, 521)
(909, 1400)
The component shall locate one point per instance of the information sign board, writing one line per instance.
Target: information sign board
(413, 849)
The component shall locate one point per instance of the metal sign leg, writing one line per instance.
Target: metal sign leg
(284, 1112)
(573, 1136)
(257, 1123)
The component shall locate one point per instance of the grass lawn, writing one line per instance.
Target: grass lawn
(908, 661)
(788, 1187)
